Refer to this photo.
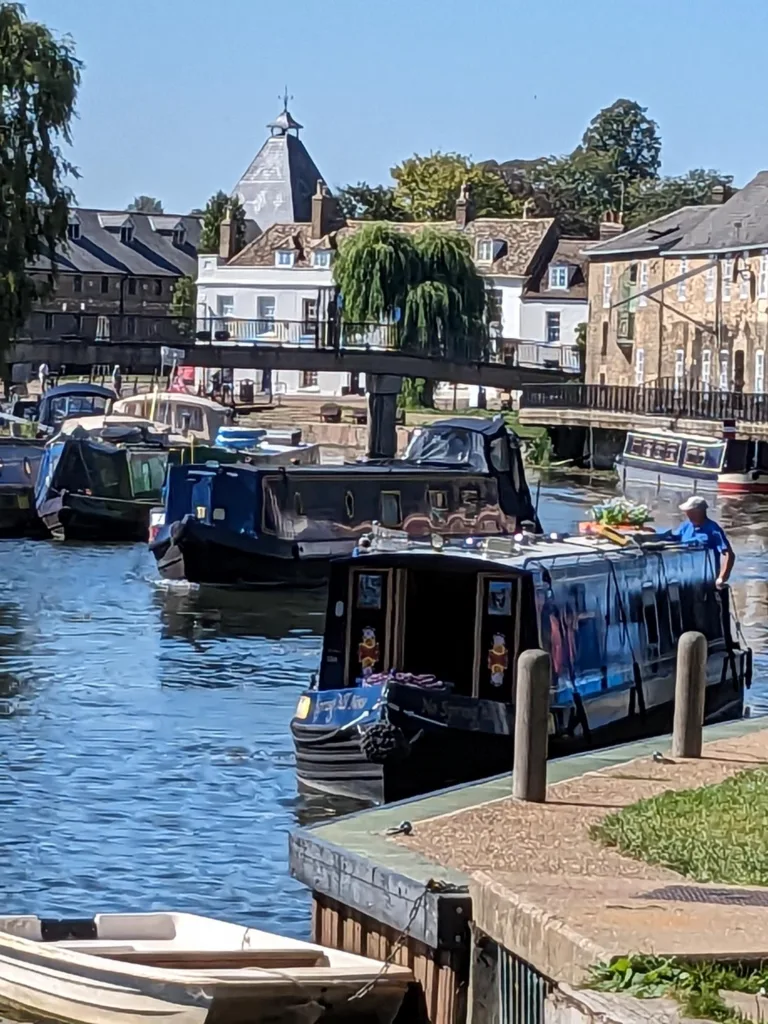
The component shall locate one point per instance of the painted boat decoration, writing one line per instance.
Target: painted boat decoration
(184, 969)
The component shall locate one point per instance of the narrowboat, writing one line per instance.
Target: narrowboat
(250, 526)
(664, 459)
(416, 688)
(19, 463)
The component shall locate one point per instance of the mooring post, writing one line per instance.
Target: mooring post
(383, 390)
(690, 686)
(529, 773)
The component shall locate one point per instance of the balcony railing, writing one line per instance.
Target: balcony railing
(662, 399)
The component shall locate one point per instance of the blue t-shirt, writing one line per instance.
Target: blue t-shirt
(709, 534)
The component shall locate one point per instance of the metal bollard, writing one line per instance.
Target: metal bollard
(529, 773)
(690, 685)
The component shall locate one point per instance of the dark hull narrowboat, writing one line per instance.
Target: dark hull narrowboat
(683, 462)
(417, 680)
(256, 526)
(69, 516)
(19, 464)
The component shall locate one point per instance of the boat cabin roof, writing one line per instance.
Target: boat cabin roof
(670, 435)
(75, 388)
(174, 398)
(477, 424)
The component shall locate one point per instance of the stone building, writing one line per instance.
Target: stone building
(684, 298)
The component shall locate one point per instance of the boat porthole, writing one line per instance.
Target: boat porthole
(349, 504)
(298, 504)
(339, 609)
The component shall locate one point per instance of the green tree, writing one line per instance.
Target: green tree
(184, 303)
(216, 209)
(427, 187)
(624, 133)
(39, 78)
(145, 204)
(374, 270)
(369, 202)
(647, 200)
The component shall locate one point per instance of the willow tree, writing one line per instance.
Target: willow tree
(374, 271)
(39, 78)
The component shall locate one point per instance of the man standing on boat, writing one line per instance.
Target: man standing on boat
(700, 529)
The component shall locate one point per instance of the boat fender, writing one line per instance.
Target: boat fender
(382, 742)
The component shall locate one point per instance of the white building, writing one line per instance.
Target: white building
(279, 288)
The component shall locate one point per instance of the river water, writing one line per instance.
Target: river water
(145, 756)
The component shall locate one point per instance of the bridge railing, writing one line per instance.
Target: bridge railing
(662, 399)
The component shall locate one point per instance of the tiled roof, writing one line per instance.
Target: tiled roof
(654, 237)
(569, 252)
(150, 253)
(523, 241)
(738, 224)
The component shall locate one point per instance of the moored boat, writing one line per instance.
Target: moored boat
(686, 462)
(19, 464)
(416, 689)
(251, 525)
(185, 969)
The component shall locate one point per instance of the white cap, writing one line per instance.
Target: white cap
(694, 502)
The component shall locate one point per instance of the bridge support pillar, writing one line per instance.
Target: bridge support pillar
(383, 390)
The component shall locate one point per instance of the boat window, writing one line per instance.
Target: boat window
(447, 446)
(390, 513)
(737, 456)
(349, 504)
(438, 506)
(470, 501)
(195, 414)
(147, 471)
(163, 413)
(71, 406)
(703, 456)
(106, 472)
(500, 454)
(657, 449)
(675, 608)
(368, 641)
(298, 504)
(651, 619)
(761, 456)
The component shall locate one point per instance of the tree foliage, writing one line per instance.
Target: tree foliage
(145, 204)
(39, 78)
(369, 202)
(216, 210)
(427, 187)
(647, 200)
(625, 135)
(184, 302)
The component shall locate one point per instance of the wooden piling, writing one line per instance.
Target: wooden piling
(690, 686)
(529, 774)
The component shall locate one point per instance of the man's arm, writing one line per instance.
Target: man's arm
(728, 558)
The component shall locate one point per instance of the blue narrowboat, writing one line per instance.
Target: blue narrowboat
(416, 689)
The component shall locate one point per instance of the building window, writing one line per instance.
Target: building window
(130, 325)
(639, 367)
(158, 286)
(727, 279)
(179, 236)
(284, 258)
(49, 321)
(762, 285)
(642, 283)
(104, 285)
(308, 379)
(126, 233)
(225, 305)
(309, 317)
(265, 314)
(607, 276)
(744, 280)
(558, 277)
(725, 365)
(709, 284)
(485, 250)
(706, 369)
(759, 385)
(77, 283)
(131, 285)
(682, 285)
(321, 258)
(602, 377)
(553, 328)
(604, 340)
(73, 230)
(679, 368)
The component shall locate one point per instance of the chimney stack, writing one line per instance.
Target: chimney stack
(227, 238)
(464, 209)
(718, 194)
(610, 225)
(323, 209)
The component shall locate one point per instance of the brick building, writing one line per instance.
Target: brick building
(684, 298)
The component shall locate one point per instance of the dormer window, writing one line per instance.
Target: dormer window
(179, 235)
(73, 230)
(558, 277)
(321, 258)
(485, 250)
(126, 234)
(285, 258)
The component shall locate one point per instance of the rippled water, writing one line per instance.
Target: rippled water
(145, 755)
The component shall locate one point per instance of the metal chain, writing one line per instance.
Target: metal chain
(432, 886)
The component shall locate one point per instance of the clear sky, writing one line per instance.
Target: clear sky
(176, 93)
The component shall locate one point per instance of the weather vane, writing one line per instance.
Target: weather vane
(285, 98)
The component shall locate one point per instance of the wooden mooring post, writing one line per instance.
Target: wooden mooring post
(529, 772)
(690, 686)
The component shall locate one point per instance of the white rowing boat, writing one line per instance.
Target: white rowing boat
(184, 969)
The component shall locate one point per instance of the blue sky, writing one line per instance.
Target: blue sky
(176, 93)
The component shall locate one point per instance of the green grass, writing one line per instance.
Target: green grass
(713, 834)
(695, 986)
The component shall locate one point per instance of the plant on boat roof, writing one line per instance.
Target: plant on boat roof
(621, 512)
